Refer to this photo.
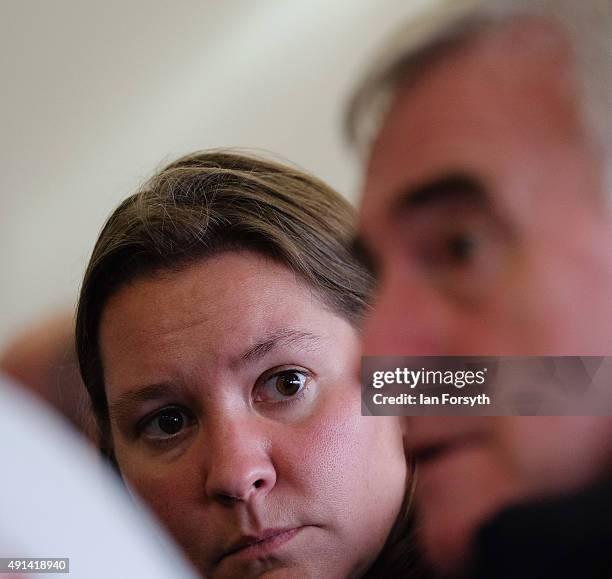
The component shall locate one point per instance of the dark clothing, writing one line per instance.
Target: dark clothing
(567, 537)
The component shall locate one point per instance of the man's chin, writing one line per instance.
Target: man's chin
(448, 544)
(452, 506)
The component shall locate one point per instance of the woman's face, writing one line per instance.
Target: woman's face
(235, 412)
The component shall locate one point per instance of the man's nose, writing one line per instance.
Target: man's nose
(409, 318)
(239, 466)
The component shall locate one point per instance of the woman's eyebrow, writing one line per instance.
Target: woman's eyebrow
(278, 338)
(283, 337)
(124, 403)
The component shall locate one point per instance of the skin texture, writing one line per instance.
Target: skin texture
(249, 459)
(483, 212)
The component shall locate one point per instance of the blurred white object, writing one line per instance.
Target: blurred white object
(57, 499)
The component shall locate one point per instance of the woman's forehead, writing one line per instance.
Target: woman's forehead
(231, 293)
(221, 313)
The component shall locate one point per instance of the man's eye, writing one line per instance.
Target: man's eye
(458, 248)
(465, 259)
(166, 424)
(282, 386)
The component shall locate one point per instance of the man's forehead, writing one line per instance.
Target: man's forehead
(440, 121)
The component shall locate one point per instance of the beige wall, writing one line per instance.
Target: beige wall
(95, 95)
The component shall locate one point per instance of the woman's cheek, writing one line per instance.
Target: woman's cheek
(168, 488)
(336, 444)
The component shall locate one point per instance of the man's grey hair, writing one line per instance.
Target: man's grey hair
(587, 25)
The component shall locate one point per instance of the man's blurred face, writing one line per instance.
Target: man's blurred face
(483, 213)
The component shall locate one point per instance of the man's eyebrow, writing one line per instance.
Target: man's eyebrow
(453, 187)
(278, 338)
(127, 400)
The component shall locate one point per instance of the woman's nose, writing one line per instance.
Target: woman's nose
(239, 464)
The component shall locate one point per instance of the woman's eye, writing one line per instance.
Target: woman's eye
(166, 424)
(282, 386)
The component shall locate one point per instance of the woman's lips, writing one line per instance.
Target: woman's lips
(265, 543)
